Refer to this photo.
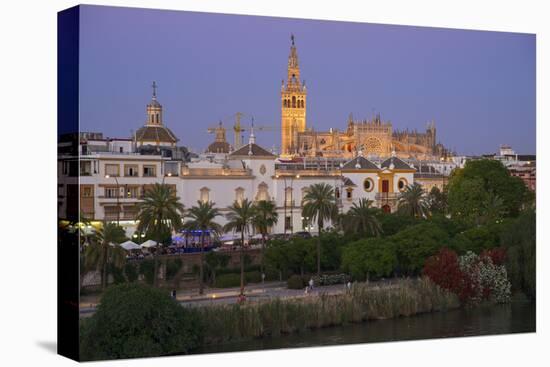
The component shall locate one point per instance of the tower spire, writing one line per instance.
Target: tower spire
(154, 86)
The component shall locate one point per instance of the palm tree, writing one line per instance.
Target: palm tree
(361, 218)
(265, 218)
(104, 250)
(159, 214)
(239, 219)
(412, 201)
(319, 203)
(201, 218)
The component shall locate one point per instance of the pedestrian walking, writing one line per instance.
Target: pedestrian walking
(311, 284)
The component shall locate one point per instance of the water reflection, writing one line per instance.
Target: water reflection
(518, 317)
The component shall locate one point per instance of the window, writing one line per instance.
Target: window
(85, 168)
(149, 171)
(263, 194)
(239, 195)
(293, 102)
(130, 170)
(288, 196)
(171, 168)
(205, 195)
(112, 170)
(86, 191)
(368, 184)
(111, 192)
(337, 193)
(288, 223)
(121, 149)
(402, 184)
(132, 192)
(349, 194)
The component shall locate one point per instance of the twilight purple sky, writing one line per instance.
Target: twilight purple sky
(479, 87)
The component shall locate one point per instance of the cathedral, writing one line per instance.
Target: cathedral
(373, 137)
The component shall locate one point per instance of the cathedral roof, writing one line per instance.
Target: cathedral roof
(252, 150)
(397, 164)
(360, 163)
(219, 147)
(159, 133)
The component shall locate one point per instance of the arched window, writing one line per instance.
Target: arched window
(239, 195)
(284, 102)
(293, 101)
(205, 195)
(263, 193)
(288, 196)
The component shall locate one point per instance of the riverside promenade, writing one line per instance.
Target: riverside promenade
(253, 292)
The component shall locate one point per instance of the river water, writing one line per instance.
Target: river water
(516, 317)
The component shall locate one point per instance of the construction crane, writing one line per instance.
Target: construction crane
(239, 128)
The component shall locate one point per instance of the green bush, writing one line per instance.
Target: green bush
(131, 272)
(117, 273)
(373, 257)
(172, 268)
(295, 282)
(147, 269)
(416, 243)
(228, 280)
(253, 277)
(330, 279)
(139, 321)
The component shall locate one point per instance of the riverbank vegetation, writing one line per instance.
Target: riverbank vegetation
(361, 303)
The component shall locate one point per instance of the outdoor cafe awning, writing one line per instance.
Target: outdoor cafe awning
(148, 244)
(129, 246)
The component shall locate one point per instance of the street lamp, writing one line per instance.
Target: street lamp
(117, 200)
(169, 174)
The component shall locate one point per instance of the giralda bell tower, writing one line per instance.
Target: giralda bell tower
(293, 105)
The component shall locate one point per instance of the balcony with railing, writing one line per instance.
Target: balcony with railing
(387, 196)
(208, 172)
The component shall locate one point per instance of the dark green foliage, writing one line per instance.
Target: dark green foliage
(253, 277)
(437, 201)
(147, 269)
(451, 227)
(393, 223)
(415, 244)
(519, 239)
(330, 279)
(139, 321)
(295, 282)
(373, 258)
(117, 273)
(474, 190)
(172, 267)
(131, 272)
(228, 280)
(482, 238)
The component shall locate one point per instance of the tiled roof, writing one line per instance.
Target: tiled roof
(219, 147)
(363, 162)
(156, 133)
(255, 149)
(397, 163)
(348, 182)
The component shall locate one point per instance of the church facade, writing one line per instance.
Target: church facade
(373, 137)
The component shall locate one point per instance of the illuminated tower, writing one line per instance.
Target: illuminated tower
(293, 105)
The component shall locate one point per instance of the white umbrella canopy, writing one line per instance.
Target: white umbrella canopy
(148, 244)
(228, 237)
(129, 245)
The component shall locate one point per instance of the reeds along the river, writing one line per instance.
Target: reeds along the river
(362, 303)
